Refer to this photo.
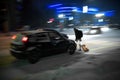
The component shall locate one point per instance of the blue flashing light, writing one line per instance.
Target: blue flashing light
(93, 9)
(56, 5)
(106, 13)
(62, 11)
(66, 8)
(68, 14)
(109, 13)
(75, 10)
(92, 12)
(80, 11)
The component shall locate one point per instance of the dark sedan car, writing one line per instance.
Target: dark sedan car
(32, 45)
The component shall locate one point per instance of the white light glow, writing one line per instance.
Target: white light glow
(105, 29)
(100, 20)
(61, 16)
(85, 9)
(93, 31)
(99, 15)
(75, 10)
(49, 21)
(71, 18)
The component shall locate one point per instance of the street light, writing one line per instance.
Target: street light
(99, 15)
(61, 15)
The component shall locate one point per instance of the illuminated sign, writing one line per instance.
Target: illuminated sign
(85, 9)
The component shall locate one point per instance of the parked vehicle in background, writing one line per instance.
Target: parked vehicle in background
(92, 30)
(114, 26)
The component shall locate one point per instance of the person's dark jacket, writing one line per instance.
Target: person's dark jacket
(78, 34)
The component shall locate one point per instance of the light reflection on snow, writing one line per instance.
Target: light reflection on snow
(85, 37)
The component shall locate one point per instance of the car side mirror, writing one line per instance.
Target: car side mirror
(65, 35)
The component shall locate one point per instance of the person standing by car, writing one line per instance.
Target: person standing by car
(78, 36)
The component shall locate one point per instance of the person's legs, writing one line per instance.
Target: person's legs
(78, 45)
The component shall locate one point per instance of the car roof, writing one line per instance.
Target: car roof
(38, 31)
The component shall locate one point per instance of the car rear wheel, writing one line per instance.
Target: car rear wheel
(71, 49)
(34, 56)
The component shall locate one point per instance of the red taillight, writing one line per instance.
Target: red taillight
(24, 39)
(14, 37)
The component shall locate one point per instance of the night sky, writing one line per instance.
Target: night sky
(103, 4)
(37, 11)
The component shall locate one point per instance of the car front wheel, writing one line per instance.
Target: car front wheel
(71, 49)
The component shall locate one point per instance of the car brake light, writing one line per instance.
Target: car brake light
(14, 37)
(24, 39)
